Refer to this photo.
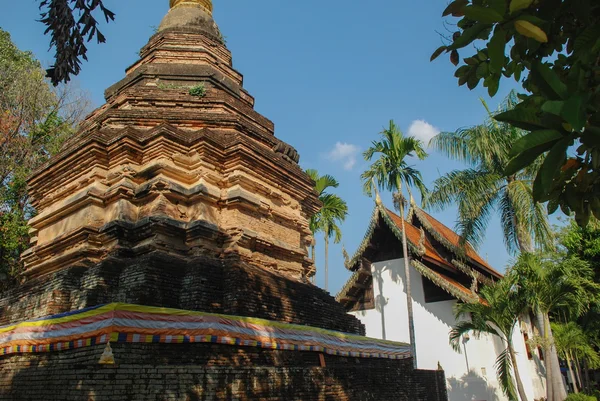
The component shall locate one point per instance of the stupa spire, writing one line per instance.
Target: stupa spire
(206, 4)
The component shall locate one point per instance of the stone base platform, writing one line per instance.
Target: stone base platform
(194, 372)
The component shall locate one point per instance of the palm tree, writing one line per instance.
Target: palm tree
(573, 345)
(391, 171)
(559, 284)
(326, 220)
(482, 188)
(498, 315)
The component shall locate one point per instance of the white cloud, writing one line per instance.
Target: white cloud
(422, 130)
(345, 153)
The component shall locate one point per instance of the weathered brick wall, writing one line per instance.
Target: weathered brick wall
(193, 372)
(204, 284)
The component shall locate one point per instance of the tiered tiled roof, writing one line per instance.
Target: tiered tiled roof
(435, 253)
(449, 238)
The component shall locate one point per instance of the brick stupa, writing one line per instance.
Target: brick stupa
(177, 194)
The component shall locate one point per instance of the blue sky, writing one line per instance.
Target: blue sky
(329, 74)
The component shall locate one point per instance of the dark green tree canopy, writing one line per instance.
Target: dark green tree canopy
(553, 48)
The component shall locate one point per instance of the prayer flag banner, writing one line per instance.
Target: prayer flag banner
(125, 323)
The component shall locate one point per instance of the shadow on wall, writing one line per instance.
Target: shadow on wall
(381, 301)
(470, 387)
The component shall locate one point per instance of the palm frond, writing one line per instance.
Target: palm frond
(390, 170)
(504, 368)
(485, 149)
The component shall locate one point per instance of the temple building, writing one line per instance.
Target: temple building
(168, 256)
(442, 273)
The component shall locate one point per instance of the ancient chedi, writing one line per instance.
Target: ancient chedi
(179, 140)
(176, 194)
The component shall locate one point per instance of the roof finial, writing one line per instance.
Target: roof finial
(377, 197)
(206, 4)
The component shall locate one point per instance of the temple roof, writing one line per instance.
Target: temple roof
(435, 251)
(449, 238)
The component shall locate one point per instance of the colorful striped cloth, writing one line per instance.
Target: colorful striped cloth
(126, 323)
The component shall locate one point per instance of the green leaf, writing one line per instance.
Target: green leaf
(552, 205)
(586, 40)
(455, 6)
(517, 5)
(548, 81)
(483, 70)
(498, 5)
(462, 70)
(496, 49)
(493, 85)
(472, 81)
(482, 14)
(550, 168)
(542, 138)
(574, 112)
(553, 107)
(521, 117)
(530, 30)
(439, 51)
(468, 36)
(522, 160)
(571, 110)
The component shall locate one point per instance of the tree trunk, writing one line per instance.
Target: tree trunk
(312, 251)
(586, 374)
(577, 364)
(326, 263)
(547, 357)
(558, 387)
(575, 389)
(555, 389)
(520, 387)
(411, 323)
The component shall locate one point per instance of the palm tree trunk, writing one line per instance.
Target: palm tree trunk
(557, 385)
(326, 263)
(520, 387)
(573, 378)
(409, 303)
(577, 364)
(555, 390)
(547, 357)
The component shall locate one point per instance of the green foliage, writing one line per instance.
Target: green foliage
(572, 342)
(584, 243)
(35, 120)
(390, 170)
(580, 397)
(498, 315)
(553, 282)
(552, 48)
(333, 210)
(198, 90)
(482, 189)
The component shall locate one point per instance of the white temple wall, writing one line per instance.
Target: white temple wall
(433, 321)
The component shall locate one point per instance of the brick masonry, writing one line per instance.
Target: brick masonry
(231, 287)
(194, 372)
